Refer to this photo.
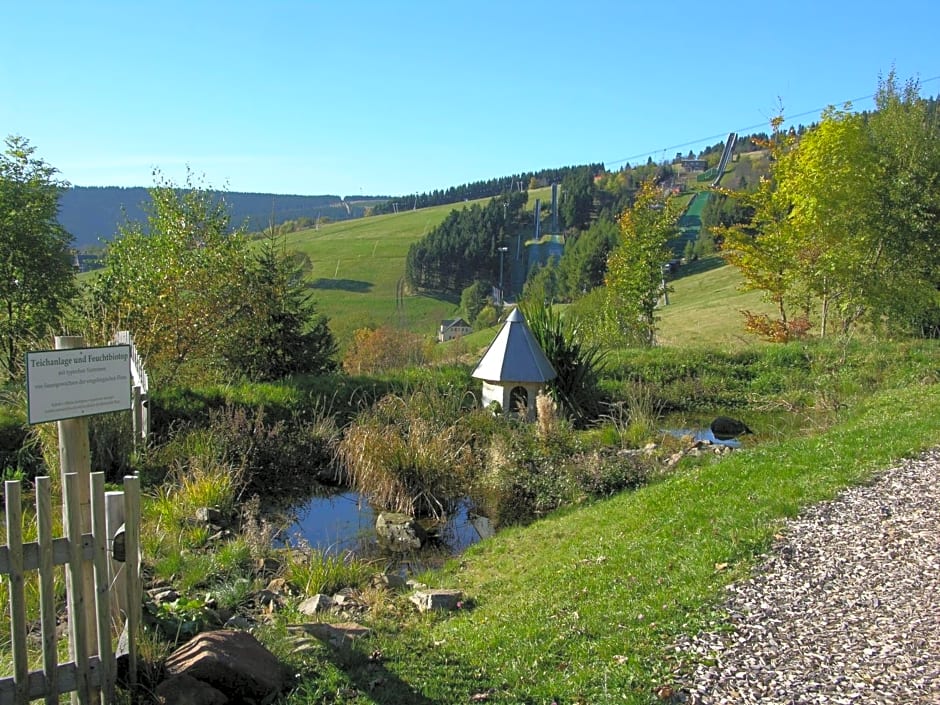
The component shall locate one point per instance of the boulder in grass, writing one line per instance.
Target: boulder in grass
(437, 599)
(232, 662)
(186, 690)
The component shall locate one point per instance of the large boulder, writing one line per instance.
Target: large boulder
(232, 662)
(186, 690)
(400, 532)
(724, 428)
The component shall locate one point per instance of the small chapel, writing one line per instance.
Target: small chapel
(514, 368)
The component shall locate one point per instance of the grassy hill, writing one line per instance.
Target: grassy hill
(359, 268)
(704, 307)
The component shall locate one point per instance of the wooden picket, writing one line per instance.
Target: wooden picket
(88, 676)
(140, 389)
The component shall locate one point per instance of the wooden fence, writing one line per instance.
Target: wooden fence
(140, 389)
(90, 673)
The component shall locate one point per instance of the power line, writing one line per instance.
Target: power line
(741, 130)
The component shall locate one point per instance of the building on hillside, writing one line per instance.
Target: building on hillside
(453, 328)
(514, 368)
(694, 164)
(85, 263)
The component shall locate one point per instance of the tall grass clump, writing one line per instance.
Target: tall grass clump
(634, 420)
(312, 572)
(169, 527)
(412, 454)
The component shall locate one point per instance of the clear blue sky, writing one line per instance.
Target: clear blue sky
(381, 97)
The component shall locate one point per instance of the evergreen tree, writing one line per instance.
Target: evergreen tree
(577, 199)
(473, 299)
(277, 330)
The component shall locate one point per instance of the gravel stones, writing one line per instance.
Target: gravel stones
(845, 608)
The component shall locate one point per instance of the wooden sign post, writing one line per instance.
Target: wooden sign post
(75, 456)
(66, 385)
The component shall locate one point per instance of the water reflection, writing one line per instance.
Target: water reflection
(703, 434)
(345, 523)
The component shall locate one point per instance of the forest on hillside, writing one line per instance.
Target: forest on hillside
(92, 214)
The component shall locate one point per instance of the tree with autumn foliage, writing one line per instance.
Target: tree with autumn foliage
(634, 280)
(382, 349)
(765, 247)
(846, 226)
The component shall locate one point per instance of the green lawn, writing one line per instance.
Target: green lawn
(359, 266)
(704, 307)
(584, 605)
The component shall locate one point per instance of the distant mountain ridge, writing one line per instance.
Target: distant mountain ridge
(92, 214)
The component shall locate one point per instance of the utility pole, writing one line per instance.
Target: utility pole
(502, 251)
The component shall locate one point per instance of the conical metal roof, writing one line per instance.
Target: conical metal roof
(514, 355)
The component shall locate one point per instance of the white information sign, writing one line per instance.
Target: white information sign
(64, 384)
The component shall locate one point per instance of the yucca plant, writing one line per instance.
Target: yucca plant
(578, 363)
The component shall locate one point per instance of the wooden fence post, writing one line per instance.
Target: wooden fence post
(18, 628)
(102, 610)
(114, 518)
(47, 610)
(132, 569)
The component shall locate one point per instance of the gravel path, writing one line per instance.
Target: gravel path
(845, 608)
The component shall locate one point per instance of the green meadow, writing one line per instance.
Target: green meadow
(359, 268)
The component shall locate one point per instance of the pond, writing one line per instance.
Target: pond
(703, 434)
(344, 522)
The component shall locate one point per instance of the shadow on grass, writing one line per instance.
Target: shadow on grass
(699, 266)
(366, 675)
(353, 285)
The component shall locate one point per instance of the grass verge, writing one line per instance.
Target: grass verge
(582, 607)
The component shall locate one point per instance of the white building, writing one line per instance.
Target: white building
(514, 368)
(453, 328)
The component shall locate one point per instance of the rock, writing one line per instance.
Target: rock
(392, 581)
(163, 595)
(724, 428)
(267, 567)
(281, 586)
(315, 604)
(400, 531)
(209, 515)
(436, 599)
(238, 622)
(220, 535)
(232, 662)
(268, 599)
(186, 690)
(341, 634)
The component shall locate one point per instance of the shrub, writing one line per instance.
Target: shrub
(601, 474)
(382, 349)
(275, 458)
(524, 478)
(413, 455)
